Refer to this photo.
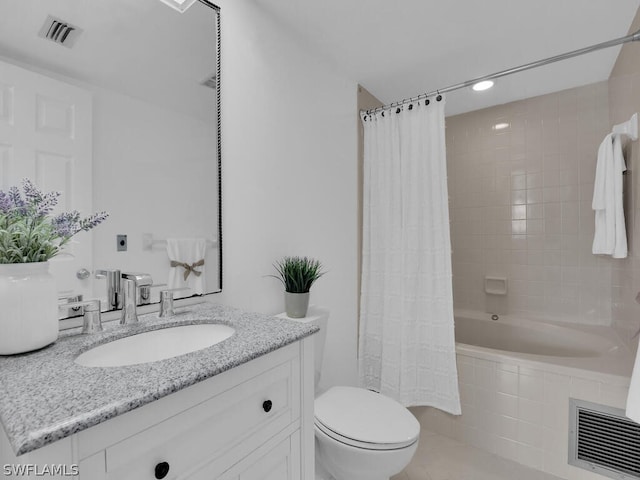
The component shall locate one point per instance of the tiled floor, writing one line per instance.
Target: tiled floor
(442, 458)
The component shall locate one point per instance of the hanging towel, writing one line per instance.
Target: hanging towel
(187, 263)
(619, 167)
(633, 400)
(610, 237)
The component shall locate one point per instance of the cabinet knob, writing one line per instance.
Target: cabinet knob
(266, 405)
(162, 469)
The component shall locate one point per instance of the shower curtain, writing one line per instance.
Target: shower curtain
(406, 343)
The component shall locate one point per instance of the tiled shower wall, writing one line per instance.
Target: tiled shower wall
(520, 185)
(624, 100)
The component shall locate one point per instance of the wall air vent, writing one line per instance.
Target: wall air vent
(211, 82)
(602, 440)
(59, 31)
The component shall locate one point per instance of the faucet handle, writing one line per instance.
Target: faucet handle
(166, 301)
(92, 320)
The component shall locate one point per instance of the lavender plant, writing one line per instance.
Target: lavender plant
(29, 232)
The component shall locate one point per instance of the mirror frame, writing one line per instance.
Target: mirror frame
(219, 138)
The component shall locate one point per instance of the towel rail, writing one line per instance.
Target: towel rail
(628, 128)
(149, 242)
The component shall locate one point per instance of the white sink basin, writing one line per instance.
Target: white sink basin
(155, 345)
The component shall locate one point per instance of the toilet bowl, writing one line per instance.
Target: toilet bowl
(359, 434)
(362, 435)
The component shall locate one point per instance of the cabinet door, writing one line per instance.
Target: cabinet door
(280, 463)
(93, 467)
(278, 459)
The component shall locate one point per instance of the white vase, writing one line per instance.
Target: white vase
(296, 304)
(28, 307)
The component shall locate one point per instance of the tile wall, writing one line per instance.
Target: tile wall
(520, 184)
(520, 412)
(626, 272)
(624, 100)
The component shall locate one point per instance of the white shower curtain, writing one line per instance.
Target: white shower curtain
(407, 345)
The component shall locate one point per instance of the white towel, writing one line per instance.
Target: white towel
(610, 236)
(633, 400)
(190, 254)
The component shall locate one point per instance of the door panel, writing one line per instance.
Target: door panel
(46, 136)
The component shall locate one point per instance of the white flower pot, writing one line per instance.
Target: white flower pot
(296, 304)
(28, 307)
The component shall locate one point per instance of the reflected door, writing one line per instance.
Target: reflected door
(46, 135)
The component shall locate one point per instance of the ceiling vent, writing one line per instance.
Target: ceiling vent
(211, 82)
(603, 440)
(59, 31)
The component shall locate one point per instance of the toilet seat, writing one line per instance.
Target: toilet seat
(365, 419)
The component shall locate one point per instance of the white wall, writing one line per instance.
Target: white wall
(289, 175)
(174, 154)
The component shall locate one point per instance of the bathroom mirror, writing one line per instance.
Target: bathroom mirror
(124, 96)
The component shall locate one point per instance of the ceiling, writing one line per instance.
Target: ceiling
(401, 48)
(124, 47)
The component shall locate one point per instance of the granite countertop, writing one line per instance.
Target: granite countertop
(45, 396)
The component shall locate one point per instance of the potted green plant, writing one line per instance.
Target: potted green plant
(297, 274)
(30, 235)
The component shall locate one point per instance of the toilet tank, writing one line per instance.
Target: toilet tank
(315, 316)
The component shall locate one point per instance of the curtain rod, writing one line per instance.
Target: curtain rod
(634, 37)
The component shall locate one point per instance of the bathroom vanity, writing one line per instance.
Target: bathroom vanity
(240, 409)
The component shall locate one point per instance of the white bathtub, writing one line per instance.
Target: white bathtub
(516, 377)
(588, 348)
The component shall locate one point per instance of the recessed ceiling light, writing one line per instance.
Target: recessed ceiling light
(500, 126)
(179, 5)
(483, 85)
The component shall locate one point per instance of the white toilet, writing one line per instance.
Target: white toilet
(360, 435)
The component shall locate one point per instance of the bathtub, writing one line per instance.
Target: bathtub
(543, 344)
(516, 377)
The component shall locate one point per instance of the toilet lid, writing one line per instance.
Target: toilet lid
(365, 419)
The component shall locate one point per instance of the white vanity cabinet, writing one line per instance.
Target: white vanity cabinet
(252, 422)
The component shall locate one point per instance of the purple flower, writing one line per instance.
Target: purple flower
(42, 203)
(28, 232)
(31, 192)
(94, 220)
(47, 204)
(18, 204)
(5, 202)
(66, 224)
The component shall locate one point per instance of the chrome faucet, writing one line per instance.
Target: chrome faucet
(131, 283)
